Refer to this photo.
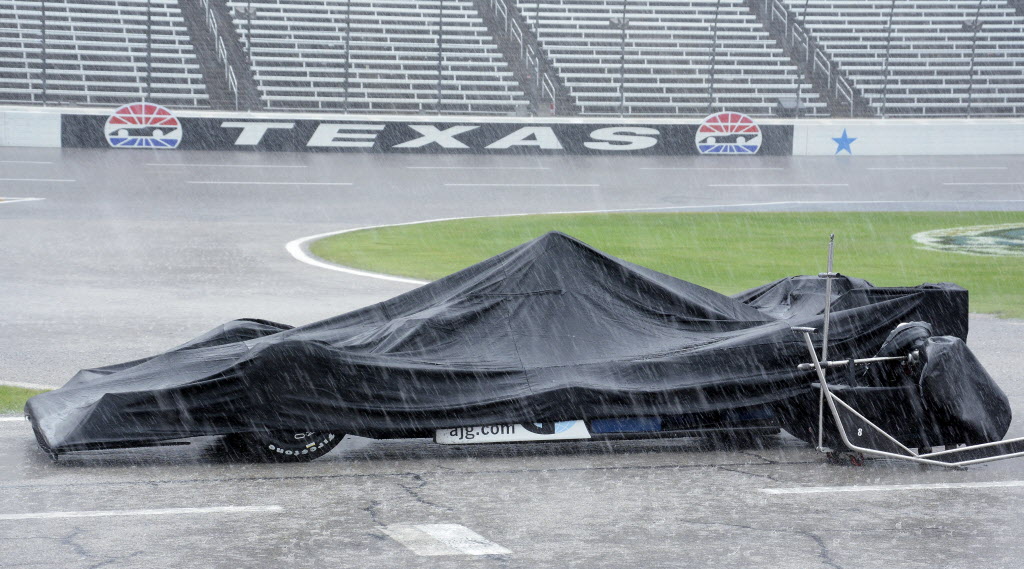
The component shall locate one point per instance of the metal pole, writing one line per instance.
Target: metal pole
(248, 31)
(807, 57)
(536, 75)
(975, 27)
(622, 61)
(440, 50)
(885, 65)
(807, 34)
(829, 275)
(714, 53)
(348, 52)
(970, 75)
(42, 24)
(149, 50)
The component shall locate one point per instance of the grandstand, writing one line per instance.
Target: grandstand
(675, 57)
(587, 57)
(922, 57)
(97, 52)
(375, 55)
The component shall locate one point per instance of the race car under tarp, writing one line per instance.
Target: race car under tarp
(552, 330)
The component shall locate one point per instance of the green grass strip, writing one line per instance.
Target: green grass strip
(726, 252)
(12, 399)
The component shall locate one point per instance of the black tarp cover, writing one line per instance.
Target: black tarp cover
(550, 330)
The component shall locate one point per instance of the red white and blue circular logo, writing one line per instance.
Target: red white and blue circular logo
(143, 125)
(728, 133)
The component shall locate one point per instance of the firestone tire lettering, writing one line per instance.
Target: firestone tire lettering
(284, 446)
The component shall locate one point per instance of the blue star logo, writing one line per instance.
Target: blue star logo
(843, 143)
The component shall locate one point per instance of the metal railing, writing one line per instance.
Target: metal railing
(549, 89)
(222, 51)
(543, 83)
(814, 57)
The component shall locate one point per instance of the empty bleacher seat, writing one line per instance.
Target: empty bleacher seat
(678, 57)
(931, 61)
(97, 52)
(375, 55)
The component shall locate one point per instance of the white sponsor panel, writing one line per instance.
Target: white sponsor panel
(30, 128)
(522, 432)
(907, 137)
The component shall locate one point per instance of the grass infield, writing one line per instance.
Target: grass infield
(12, 399)
(726, 252)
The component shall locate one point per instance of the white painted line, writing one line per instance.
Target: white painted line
(417, 541)
(248, 183)
(16, 200)
(773, 185)
(940, 168)
(227, 165)
(23, 162)
(158, 512)
(297, 248)
(443, 539)
(894, 487)
(13, 419)
(463, 539)
(477, 168)
(25, 385)
(681, 168)
(528, 185)
(35, 180)
(983, 183)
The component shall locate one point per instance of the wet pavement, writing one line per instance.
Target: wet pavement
(131, 253)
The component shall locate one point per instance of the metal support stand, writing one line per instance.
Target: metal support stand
(872, 440)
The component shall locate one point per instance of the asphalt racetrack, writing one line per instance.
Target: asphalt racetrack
(129, 253)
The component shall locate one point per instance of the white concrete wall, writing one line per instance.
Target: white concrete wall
(30, 127)
(908, 137)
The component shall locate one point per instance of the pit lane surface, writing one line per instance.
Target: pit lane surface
(130, 253)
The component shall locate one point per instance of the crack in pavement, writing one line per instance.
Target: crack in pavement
(414, 492)
(823, 550)
(752, 474)
(115, 560)
(69, 541)
(373, 509)
(774, 461)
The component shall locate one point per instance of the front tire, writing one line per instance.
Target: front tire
(301, 446)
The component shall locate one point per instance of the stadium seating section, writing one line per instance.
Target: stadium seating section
(635, 57)
(669, 49)
(922, 63)
(97, 52)
(394, 47)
